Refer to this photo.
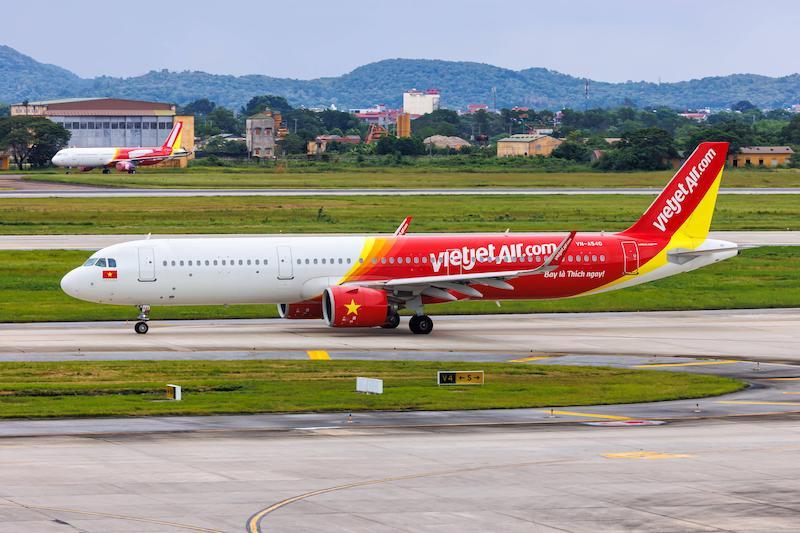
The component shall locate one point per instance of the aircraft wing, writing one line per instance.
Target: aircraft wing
(439, 286)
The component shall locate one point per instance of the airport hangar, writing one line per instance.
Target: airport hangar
(110, 122)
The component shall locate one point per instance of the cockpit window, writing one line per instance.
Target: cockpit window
(112, 263)
(89, 262)
(101, 262)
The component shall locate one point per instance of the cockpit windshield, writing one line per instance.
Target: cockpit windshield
(101, 262)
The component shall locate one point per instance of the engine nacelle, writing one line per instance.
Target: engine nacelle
(125, 166)
(300, 310)
(354, 307)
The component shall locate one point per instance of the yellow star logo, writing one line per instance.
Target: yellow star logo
(352, 307)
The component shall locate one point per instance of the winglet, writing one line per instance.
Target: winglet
(403, 227)
(554, 261)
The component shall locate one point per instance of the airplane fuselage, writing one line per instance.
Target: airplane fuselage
(210, 271)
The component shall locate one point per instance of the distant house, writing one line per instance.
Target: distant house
(761, 156)
(527, 145)
(595, 155)
(261, 131)
(320, 144)
(443, 141)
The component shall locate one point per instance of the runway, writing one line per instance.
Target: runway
(758, 334)
(96, 242)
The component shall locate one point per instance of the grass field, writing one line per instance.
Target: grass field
(365, 214)
(400, 177)
(762, 277)
(121, 388)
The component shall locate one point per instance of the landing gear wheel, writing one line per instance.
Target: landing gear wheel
(420, 324)
(141, 328)
(392, 321)
(106, 171)
(132, 171)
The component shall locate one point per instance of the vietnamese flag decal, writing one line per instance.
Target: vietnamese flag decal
(109, 274)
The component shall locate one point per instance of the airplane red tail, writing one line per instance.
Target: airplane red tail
(686, 204)
(174, 138)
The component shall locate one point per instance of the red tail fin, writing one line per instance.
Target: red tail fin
(677, 205)
(174, 138)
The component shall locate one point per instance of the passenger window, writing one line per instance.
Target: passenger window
(190, 262)
(181, 263)
(165, 263)
(248, 262)
(307, 261)
(112, 263)
(569, 258)
(207, 262)
(538, 259)
(173, 262)
(315, 261)
(101, 263)
(258, 261)
(383, 260)
(241, 262)
(323, 260)
(223, 262)
(265, 261)
(340, 260)
(416, 260)
(374, 260)
(348, 261)
(602, 259)
(299, 262)
(578, 258)
(215, 262)
(585, 258)
(424, 259)
(391, 260)
(594, 259)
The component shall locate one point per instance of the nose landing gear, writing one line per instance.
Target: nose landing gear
(141, 326)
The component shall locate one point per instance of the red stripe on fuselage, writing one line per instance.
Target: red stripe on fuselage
(602, 261)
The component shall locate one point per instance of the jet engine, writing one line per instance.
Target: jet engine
(300, 310)
(125, 166)
(354, 307)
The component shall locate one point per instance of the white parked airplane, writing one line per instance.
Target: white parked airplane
(361, 281)
(123, 159)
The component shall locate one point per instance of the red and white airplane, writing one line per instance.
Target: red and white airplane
(363, 281)
(123, 159)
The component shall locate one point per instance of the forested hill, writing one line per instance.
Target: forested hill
(460, 83)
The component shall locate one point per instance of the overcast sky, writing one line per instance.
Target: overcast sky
(608, 40)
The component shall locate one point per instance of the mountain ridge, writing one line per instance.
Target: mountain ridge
(461, 83)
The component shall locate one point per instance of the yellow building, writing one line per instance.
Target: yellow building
(403, 125)
(4, 160)
(527, 145)
(761, 156)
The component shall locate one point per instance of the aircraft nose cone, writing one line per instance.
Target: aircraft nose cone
(69, 283)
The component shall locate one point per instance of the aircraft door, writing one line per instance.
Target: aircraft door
(285, 263)
(630, 252)
(147, 264)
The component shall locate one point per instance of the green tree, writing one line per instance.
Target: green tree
(200, 107)
(4, 110)
(791, 132)
(226, 148)
(292, 144)
(440, 122)
(742, 106)
(574, 151)
(33, 140)
(386, 145)
(224, 120)
(257, 104)
(332, 119)
(646, 149)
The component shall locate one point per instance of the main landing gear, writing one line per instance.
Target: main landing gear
(106, 170)
(392, 321)
(141, 326)
(420, 324)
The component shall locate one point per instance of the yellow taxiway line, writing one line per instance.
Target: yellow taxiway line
(589, 415)
(318, 355)
(695, 363)
(529, 359)
(782, 379)
(646, 455)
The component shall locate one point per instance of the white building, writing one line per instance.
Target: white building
(420, 102)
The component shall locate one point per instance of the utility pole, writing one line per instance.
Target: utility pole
(295, 126)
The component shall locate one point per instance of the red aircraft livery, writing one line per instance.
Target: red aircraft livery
(363, 281)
